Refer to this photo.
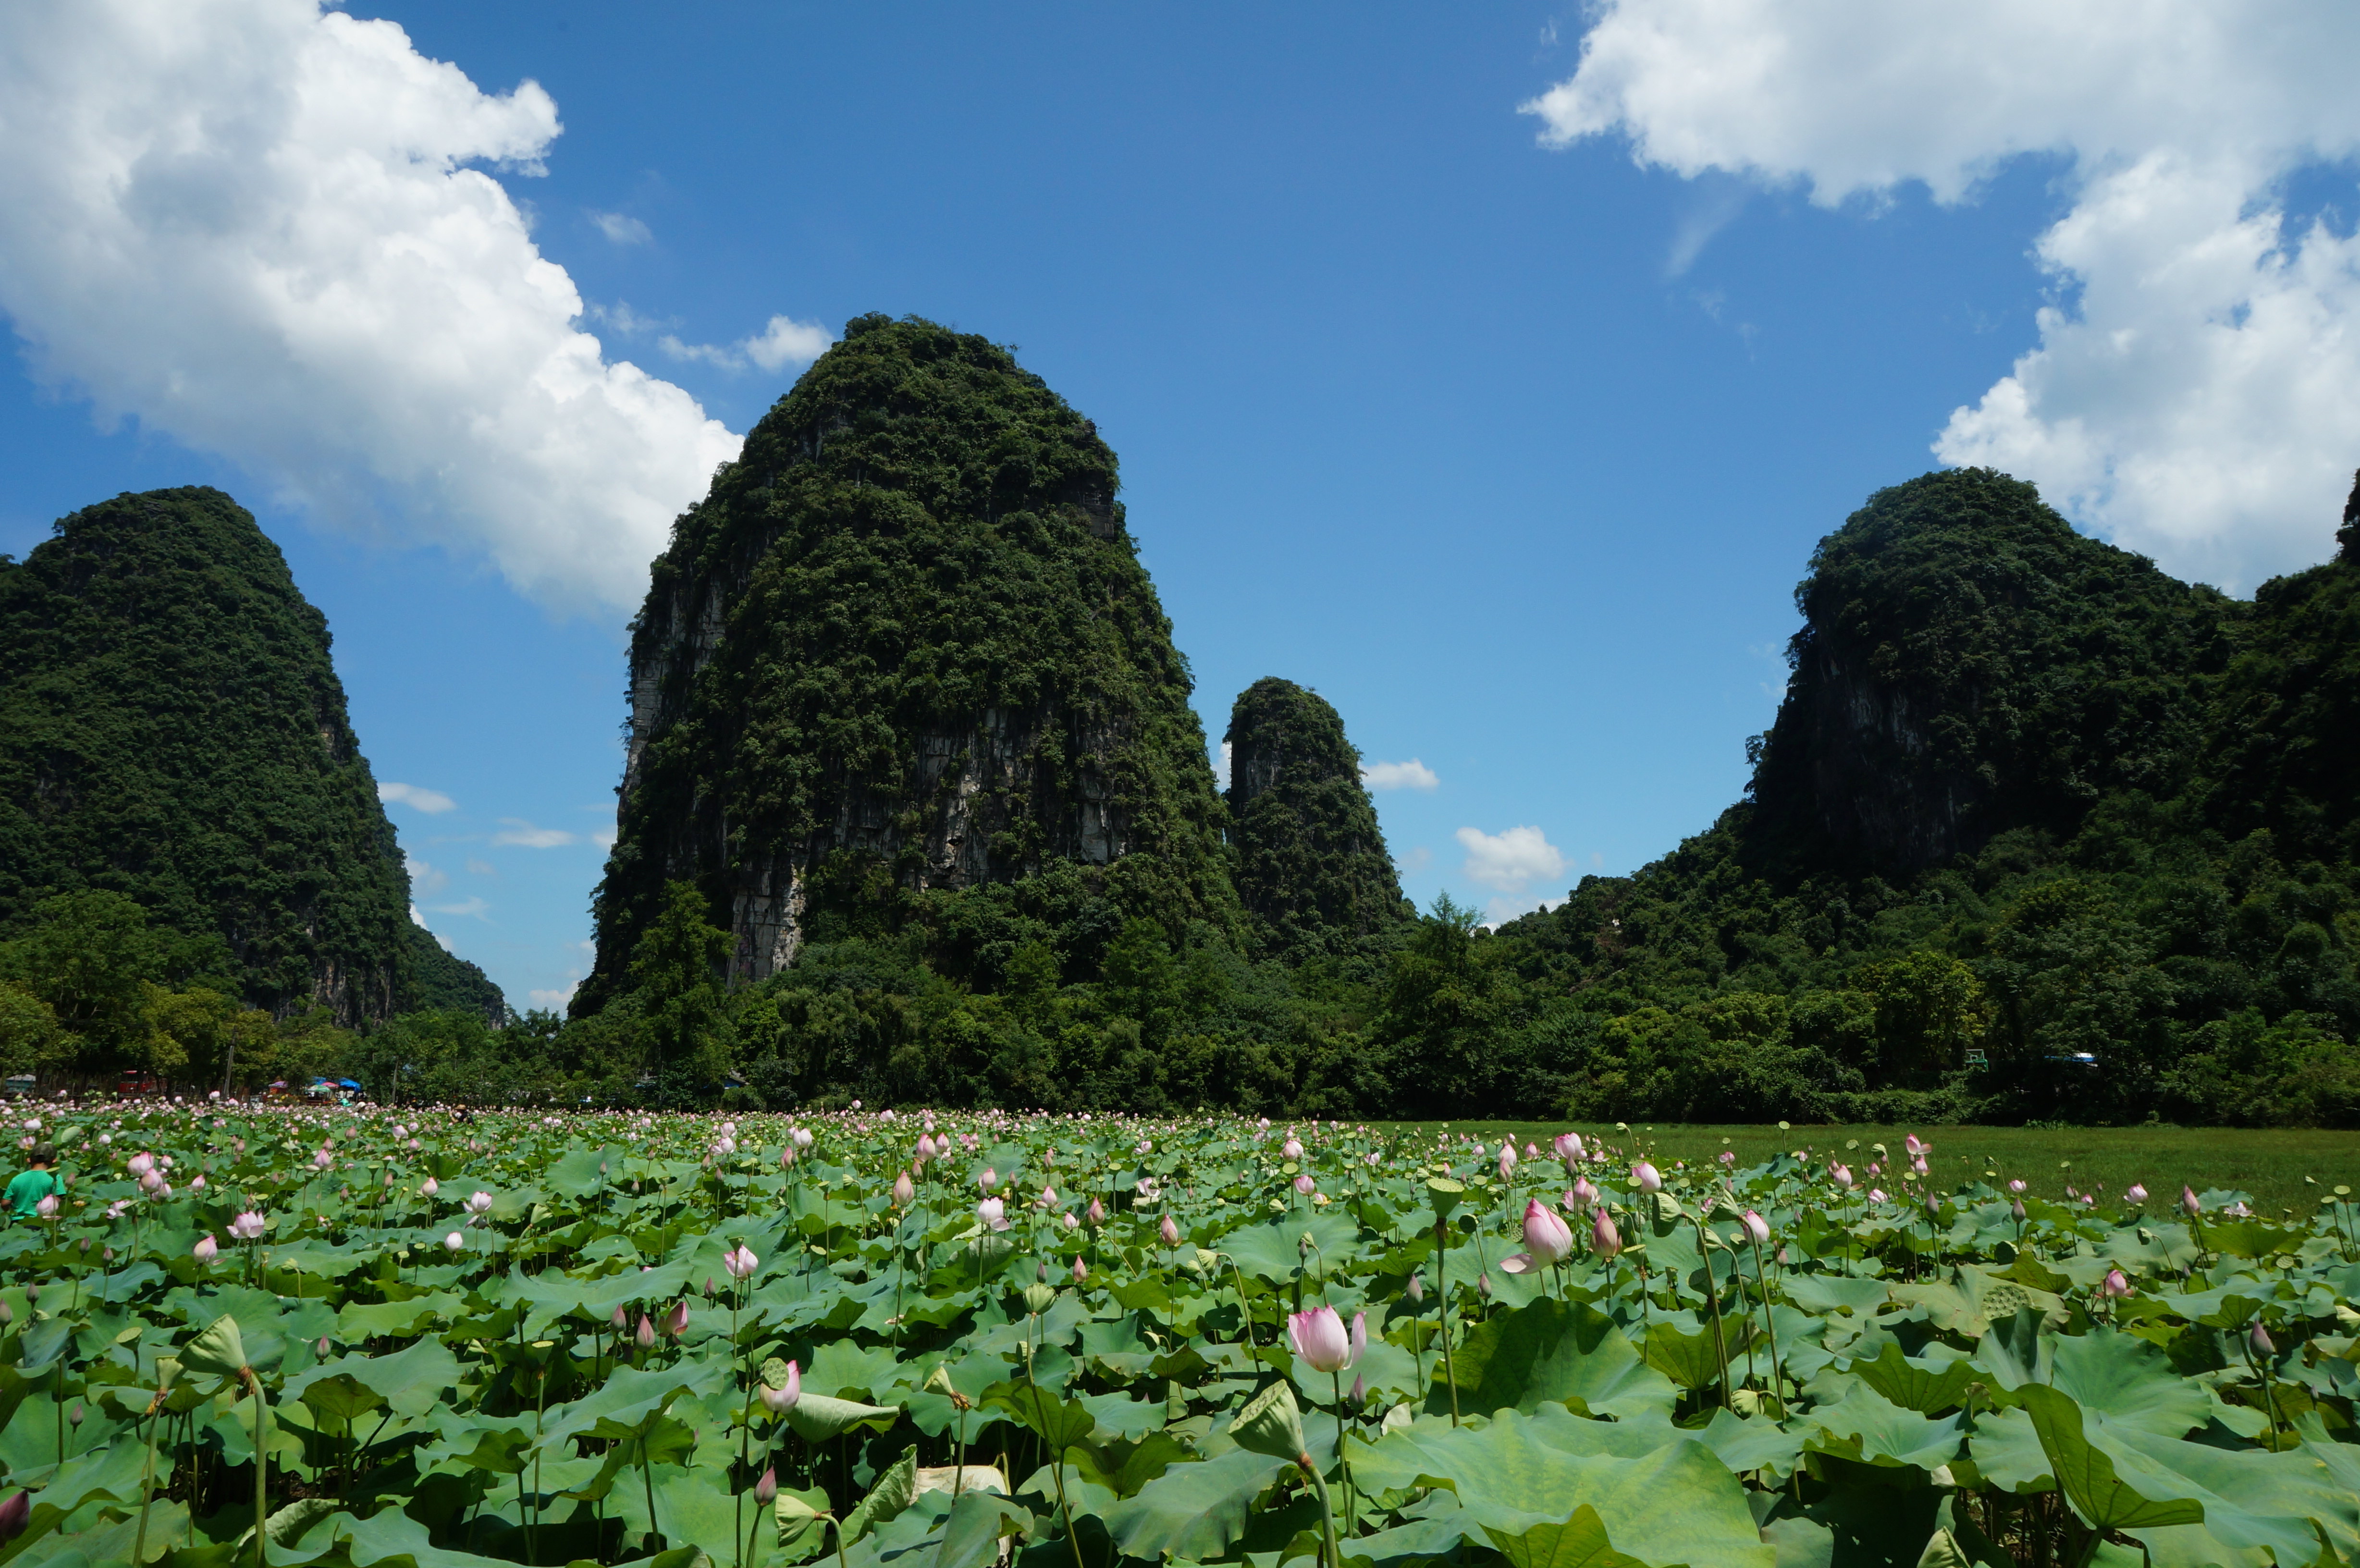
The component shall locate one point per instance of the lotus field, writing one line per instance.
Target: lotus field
(413, 1336)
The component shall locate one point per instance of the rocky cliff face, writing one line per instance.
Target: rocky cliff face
(1312, 869)
(1969, 664)
(906, 646)
(171, 728)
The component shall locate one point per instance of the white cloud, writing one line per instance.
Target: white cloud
(1221, 769)
(431, 801)
(257, 227)
(782, 343)
(603, 837)
(2195, 392)
(621, 229)
(553, 1001)
(423, 878)
(481, 869)
(1509, 860)
(517, 830)
(1410, 775)
(474, 908)
(1498, 911)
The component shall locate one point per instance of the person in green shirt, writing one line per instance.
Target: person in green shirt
(28, 1188)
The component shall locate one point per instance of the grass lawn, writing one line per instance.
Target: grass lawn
(2269, 1165)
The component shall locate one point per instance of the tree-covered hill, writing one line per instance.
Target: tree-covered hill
(1311, 865)
(2038, 832)
(902, 671)
(173, 731)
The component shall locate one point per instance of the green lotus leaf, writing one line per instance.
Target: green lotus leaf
(1555, 1352)
(1575, 1542)
(2100, 1499)
(1196, 1511)
(815, 1418)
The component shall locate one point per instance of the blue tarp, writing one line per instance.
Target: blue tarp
(346, 1084)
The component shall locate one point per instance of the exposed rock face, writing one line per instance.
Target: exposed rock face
(1312, 869)
(905, 645)
(1969, 664)
(171, 728)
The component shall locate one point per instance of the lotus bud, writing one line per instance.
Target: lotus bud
(14, 1515)
(1097, 1213)
(1081, 1269)
(1483, 1284)
(646, 1334)
(1318, 1338)
(1416, 1289)
(992, 1215)
(320, 1347)
(2188, 1201)
(786, 1162)
(2016, 1209)
(1548, 1239)
(2259, 1338)
(1840, 1175)
(903, 1190)
(1290, 1150)
(1305, 1184)
(2116, 1285)
(767, 1489)
(621, 1320)
(2134, 1193)
(1070, 1223)
(1647, 1177)
(1604, 1240)
(206, 1249)
(989, 1178)
(1585, 1195)
(1756, 1226)
(1048, 1196)
(803, 1137)
(454, 1242)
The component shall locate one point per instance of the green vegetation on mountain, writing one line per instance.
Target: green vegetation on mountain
(902, 671)
(1311, 865)
(184, 809)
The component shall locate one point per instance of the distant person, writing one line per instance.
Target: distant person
(28, 1188)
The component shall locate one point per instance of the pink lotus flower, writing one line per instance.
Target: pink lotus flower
(1756, 1226)
(1568, 1146)
(206, 1249)
(740, 1263)
(1875, 1195)
(621, 1320)
(1097, 1213)
(2116, 1286)
(1583, 1194)
(1291, 1149)
(323, 1158)
(2016, 1184)
(1604, 1240)
(675, 1322)
(429, 1187)
(1548, 1239)
(2259, 1338)
(1169, 1231)
(454, 1242)
(1842, 1175)
(988, 1180)
(48, 1207)
(992, 1215)
(1318, 1337)
(803, 1137)
(765, 1490)
(1305, 1184)
(647, 1333)
(247, 1226)
(1912, 1145)
(1081, 1269)
(903, 1190)
(1070, 1223)
(1416, 1289)
(787, 1158)
(140, 1164)
(1507, 1160)
(477, 1206)
(778, 1401)
(2134, 1193)
(2188, 1201)
(1647, 1177)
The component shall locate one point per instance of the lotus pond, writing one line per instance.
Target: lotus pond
(414, 1336)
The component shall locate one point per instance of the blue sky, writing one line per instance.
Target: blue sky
(1507, 429)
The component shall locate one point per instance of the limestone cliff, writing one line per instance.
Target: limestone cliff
(906, 646)
(1312, 869)
(1969, 664)
(172, 729)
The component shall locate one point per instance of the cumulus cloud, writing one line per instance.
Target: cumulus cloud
(431, 801)
(780, 344)
(267, 231)
(1508, 861)
(1221, 770)
(522, 833)
(553, 1001)
(423, 878)
(621, 229)
(1410, 775)
(2195, 390)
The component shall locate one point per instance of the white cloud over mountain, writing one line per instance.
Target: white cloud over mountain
(1410, 775)
(2195, 391)
(1509, 861)
(262, 229)
(431, 801)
